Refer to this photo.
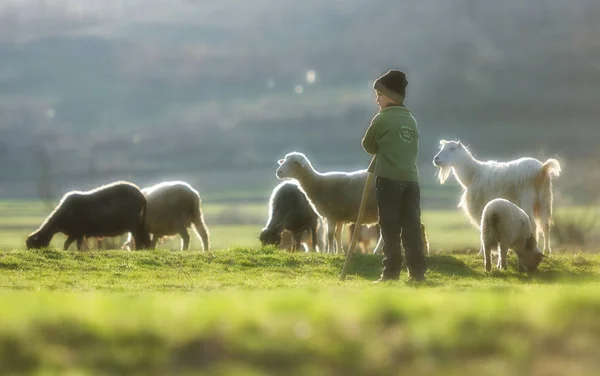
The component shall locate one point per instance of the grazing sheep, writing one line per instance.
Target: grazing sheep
(505, 225)
(173, 206)
(290, 210)
(108, 210)
(526, 181)
(335, 196)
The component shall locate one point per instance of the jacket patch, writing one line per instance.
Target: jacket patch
(407, 134)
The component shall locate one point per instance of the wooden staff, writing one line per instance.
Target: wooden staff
(359, 219)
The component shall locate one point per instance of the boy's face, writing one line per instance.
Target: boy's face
(382, 100)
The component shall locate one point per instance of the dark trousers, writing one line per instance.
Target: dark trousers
(399, 205)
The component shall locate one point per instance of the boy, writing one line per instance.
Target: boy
(393, 139)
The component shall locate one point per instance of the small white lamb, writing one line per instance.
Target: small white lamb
(505, 225)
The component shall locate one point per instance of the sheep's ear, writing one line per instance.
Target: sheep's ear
(280, 162)
(443, 142)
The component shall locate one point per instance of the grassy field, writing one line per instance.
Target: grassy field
(245, 310)
(263, 311)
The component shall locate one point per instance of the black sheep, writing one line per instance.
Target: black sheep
(109, 210)
(290, 210)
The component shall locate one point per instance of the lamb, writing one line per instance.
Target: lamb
(290, 210)
(527, 182)
(108, 210)
(173, 206)
(335, 196)
(504, 225)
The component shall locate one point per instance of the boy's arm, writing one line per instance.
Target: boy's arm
(369, 141)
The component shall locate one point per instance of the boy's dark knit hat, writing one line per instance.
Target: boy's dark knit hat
(392, 84)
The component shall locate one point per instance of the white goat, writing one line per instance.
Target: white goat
(335, 196)
(173, 206)
(526, 182)
(504, 225)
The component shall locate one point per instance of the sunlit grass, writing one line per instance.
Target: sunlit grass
(252, 311)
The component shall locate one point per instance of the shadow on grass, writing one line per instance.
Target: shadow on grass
(451, 266)
(551, 270)
(370, 266)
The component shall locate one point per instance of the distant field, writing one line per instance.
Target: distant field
(239, 224)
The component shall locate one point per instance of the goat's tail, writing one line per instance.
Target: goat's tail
(200, 226)
(550, 168)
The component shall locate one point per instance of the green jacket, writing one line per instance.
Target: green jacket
(393, 138)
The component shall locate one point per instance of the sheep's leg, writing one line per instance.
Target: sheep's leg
(339, 226)
(297, 240)
(313, 235)
(330, 236)
(79, 242)
(153, 241)
(185, 239)
(202, 230)
(127, 244)
(293, 244)
(68, 242)
(487, 255)
(546, 231)
(138, 240)
(502, 257)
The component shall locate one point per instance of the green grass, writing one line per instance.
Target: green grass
(264, 311)
(242, 310)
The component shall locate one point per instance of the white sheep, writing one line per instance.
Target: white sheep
(504, 225)
(527, 182)
(173, 206)
(335, 196)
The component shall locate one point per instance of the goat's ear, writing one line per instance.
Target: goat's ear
(443, 142)
(280, 162)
